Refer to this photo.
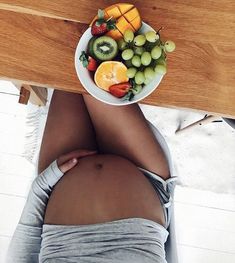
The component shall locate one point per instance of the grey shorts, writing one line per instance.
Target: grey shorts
(163, 188)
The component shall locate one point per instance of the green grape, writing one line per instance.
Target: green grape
(160, 69)
(136, 61)
(128, 63)
(131, 72)
(146, 58)
(147, 81)
(122, 44)
(161, 61)
(137, 89)
(138, 50)
(149, 73)
(128, 35)
(139, 40)
(139, 78)
(151, 36)
(127, 54)
(156, 52)
(169, 46)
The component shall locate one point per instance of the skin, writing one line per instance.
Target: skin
(104, 185)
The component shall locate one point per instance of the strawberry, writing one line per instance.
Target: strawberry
(120, 90)
(100, 26)
(88, 62)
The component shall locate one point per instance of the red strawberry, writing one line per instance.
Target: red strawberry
(88, 62)
(98, 28)
(101, 26)
(120, 90)
(92, 64)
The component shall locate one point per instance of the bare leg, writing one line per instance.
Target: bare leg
(68, 128)
(90, 192)
(124, 131)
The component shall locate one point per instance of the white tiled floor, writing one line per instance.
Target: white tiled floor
(205, 221)
(205, 225)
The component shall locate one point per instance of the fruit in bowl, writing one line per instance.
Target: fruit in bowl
(125, 15)
(125, 57)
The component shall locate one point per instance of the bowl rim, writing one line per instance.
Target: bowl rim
(119, 102)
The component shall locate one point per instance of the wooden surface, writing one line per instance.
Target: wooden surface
(39, 48)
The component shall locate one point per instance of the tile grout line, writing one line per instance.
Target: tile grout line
(225, 252)
(1, 235)
(11, 175)
(13, 195)
(214, 208)
(189, 226)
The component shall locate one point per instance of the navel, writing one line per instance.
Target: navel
(98, 166)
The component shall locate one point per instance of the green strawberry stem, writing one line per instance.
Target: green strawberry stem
(111, 24)
(100, 14)
(129, 96)
(84, 59)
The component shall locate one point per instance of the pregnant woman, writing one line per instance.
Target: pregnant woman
(104, 190)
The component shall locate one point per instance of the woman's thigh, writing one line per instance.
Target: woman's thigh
(124, 131)
(68, 128)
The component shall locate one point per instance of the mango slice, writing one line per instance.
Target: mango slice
(113, 12)
(122, 24)
(136, 23)
(127, 17)
(115, 34)
(124, 7)
(132, 14)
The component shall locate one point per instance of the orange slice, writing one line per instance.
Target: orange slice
(109, 73)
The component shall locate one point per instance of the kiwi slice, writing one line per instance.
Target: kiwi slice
(90, 47)
(105, 48)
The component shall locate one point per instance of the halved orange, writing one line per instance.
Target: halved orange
(109, 73)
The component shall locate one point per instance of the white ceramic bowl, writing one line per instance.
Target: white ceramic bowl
(89, 84)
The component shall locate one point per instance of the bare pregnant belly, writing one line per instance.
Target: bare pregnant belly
(103, 188)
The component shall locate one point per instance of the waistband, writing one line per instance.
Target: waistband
(164, 189)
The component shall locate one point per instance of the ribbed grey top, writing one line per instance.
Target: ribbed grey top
(126, 240)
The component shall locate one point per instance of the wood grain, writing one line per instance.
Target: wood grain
(39, 50)
(200, 73)
(198, 20)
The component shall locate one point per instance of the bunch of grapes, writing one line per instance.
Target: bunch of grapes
(145, 56)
